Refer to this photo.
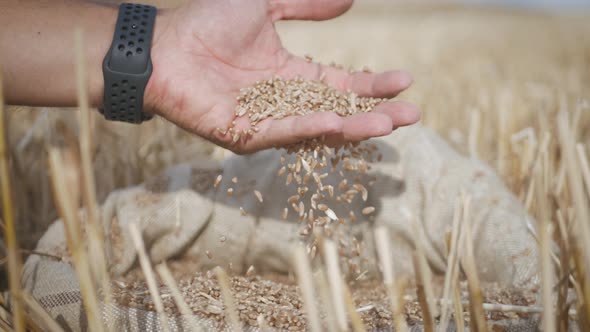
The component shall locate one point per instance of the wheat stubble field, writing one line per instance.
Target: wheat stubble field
(511, 88)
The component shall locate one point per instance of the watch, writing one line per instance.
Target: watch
(127, 66)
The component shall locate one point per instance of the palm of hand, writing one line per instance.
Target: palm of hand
(208, 50)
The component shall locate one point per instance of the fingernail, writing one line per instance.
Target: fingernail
(405, 78)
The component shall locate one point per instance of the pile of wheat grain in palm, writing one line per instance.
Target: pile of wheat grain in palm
(313, 160)
(278, 98)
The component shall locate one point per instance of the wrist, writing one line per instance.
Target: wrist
(96, 52)
(152, 99)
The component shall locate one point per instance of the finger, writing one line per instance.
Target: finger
(316, 10)
(401, 113)
(360, 127)
(290, 130)
(337, 130)
(382, 85)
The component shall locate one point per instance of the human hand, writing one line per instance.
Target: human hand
(205, 51)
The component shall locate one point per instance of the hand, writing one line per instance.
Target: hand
(205, 51)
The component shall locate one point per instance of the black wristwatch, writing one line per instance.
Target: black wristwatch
(127, 66)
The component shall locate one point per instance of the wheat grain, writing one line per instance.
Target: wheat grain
(293, 199)
(251, 271)
(217, 181)
(258, 196)
(368, 210)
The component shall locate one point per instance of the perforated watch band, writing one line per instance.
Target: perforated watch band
(127, 66)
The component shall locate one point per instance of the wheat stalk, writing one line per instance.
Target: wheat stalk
(336, 285)
(423, 277)
(324, 289)
(65, 196)
(547, 273)
(5, 316)
(304, 277)
(14, 261)
(583, 159)
(232, 317)
(582, 215)
(477, 319)
(386, 261)
(41, 313)
(149, 275)
(185, 310)
(96, 238)
(452, 266)
(355, 319)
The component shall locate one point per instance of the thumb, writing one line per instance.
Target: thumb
(315, 10)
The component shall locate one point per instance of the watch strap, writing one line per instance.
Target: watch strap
(127, 66)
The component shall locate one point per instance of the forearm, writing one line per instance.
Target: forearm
(37, 49)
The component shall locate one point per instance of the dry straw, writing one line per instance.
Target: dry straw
(183, 307)
(231, 314)
(355, 318)
(545, 243)
(423, 276)
(40, 313)
(563, 272)
(5, 315)
(477, 319)
(457, 308)
(65, 180)
(149, 275)
(325, 295)
(14, 262)
(583, 158)
(582, 215)
(386, 261)
(95, 236)
(306, 287)
(452, 267)
(423, 298)
(336, 284)
(5, 325)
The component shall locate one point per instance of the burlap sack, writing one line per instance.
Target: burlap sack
(419, 180)
(430, 176)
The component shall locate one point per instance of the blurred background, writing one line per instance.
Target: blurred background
(545, 4)
(565, 5)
